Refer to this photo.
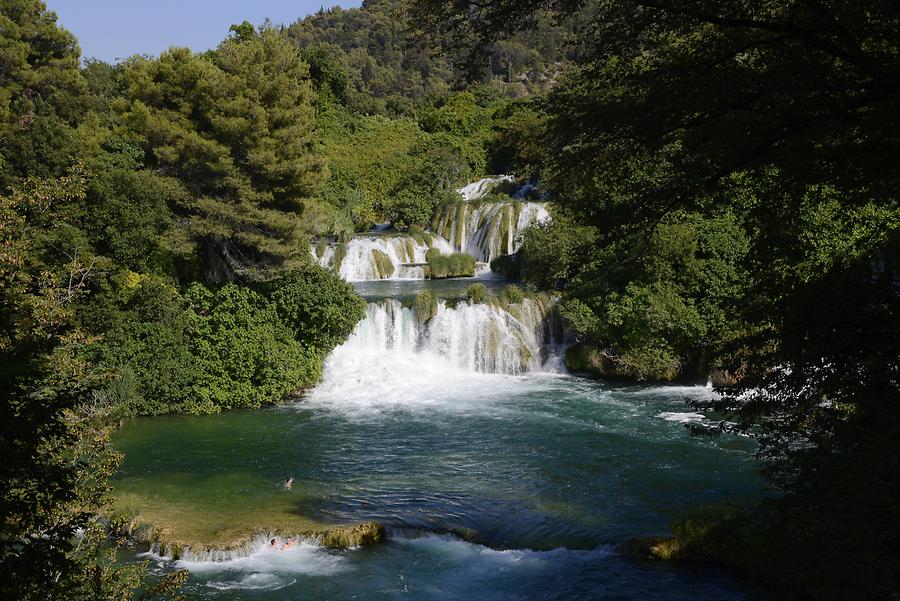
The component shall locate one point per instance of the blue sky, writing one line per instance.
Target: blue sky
(116, 29)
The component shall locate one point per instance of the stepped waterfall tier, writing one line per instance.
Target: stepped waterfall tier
(468, 336)
(490, 229)
(484, 229)
(379, 257)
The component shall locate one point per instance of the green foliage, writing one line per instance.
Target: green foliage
(317, 306)
(211, 350)
(391, 66)
(41, 90)
(127, 214)
(246, 356)
(554, 251)
(236, 127)
(511, 295)
(455, 265)
(477, 293)
(425, 305)
(329, 76)
(508, 265)
(54, 436)
(387, 170)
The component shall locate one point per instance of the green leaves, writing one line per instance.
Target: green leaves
(216, 349)
(236, 127)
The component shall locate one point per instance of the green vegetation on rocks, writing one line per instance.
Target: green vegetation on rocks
(442, 266)
(477, 293)
(383, 264)
(425, 305)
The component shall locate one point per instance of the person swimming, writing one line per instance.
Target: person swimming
(288, 544)
(289, 483)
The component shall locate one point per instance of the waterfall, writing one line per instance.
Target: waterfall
(470, 337)
(488, 230)
(379, 257)
(482, 187)
(484, 230)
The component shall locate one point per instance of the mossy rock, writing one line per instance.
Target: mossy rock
(425, 306)
(448, 266)
(349, 537)
(383, 264)
(653, 547)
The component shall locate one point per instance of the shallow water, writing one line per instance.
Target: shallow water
(545, 473)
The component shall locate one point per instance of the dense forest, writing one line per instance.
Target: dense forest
(724, 186)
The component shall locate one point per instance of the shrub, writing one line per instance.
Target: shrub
(449, 266)
(507, 265)
(477, 293)
(512, 295)
(425, 305)
(320, 308)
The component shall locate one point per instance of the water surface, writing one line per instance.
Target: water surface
(542, 474)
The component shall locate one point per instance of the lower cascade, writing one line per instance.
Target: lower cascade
(468, 336)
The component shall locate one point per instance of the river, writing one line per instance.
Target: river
(497, 476)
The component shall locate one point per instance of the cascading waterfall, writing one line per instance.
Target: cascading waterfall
(379, 257)
(488, 230)
(482, 187)
(471, 337)
(484, 230)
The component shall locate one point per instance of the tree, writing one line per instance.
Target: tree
(237, 128)
(57, 458)
(40, 92)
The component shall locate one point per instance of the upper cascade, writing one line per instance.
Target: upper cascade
(481, 188)
(488, 230)
(480, 227)
(379, 257)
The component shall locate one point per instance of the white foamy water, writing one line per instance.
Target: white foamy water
(681, 417)
(467, 354)
(489, 230)
(363, 257)
(480, 188)
(265, 568)
(468, 337)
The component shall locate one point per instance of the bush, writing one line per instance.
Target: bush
(477, 293)
(425, 305)
(320, 308)
(449, 266)
(216, 349)
(507, 265)
(246, 355)
(512, 295)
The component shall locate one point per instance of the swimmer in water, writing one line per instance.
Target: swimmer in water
(273, 543)
(288, 544)
(289, 483)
